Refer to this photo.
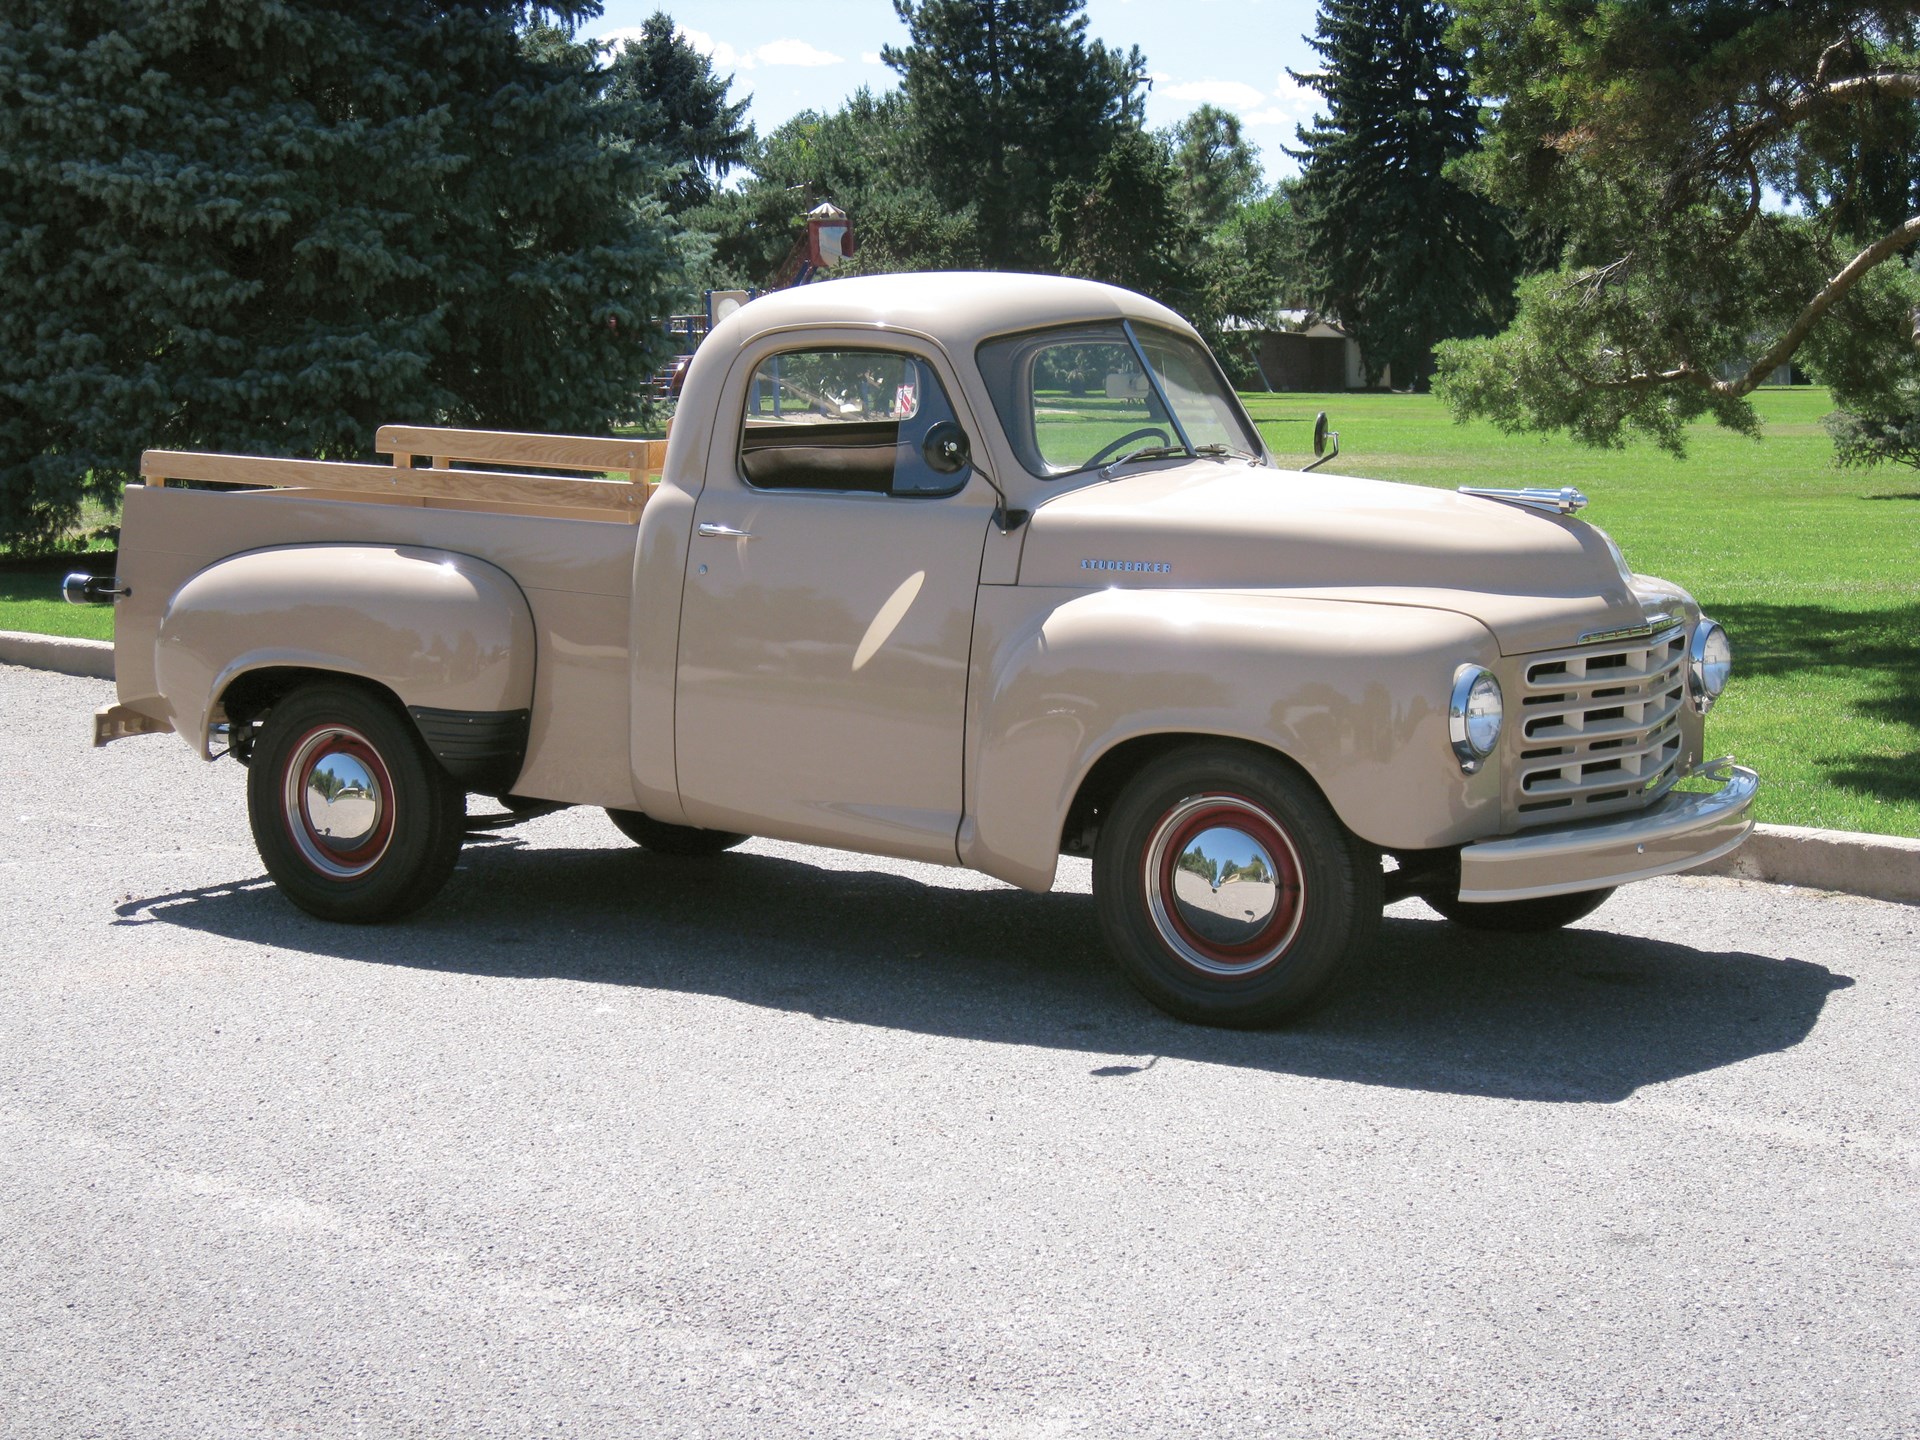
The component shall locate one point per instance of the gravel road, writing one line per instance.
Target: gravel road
(797, 1142)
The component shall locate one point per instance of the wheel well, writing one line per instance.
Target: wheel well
(251, 694)
(1094, 800)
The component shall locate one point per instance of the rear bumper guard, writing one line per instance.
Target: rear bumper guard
(117, 722)
(1678, 832)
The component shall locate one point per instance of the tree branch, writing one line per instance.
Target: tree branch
(1777, 354)
(1888, 245)
(1897, 84)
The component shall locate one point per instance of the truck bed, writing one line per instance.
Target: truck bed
(568, 542)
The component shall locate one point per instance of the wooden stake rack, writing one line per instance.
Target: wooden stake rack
(439, 478)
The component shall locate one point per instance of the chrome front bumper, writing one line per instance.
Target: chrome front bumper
(1676, 832)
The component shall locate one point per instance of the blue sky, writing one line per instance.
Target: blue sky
(812, 54)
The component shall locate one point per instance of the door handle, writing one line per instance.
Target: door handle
(709, 531)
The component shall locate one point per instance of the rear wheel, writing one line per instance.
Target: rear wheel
(1229, 891)
(664, 839)
(1522, 917)
(354, 820)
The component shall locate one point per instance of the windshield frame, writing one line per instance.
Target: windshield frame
(1005, 363)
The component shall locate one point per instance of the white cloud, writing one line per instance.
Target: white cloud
(723, 55)
(871, 57)
(620, 36)
(726, 59)
(1227, 94)
(793, 52)
(1292, 104)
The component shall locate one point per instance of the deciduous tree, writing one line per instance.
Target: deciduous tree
(1126, 225)
(862, 157)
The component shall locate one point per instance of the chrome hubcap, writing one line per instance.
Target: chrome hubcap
(338, 802)
(343, 803)
(1223, 885)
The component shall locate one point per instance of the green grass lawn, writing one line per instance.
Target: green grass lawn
(1814, 571)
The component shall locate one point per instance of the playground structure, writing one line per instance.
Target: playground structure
(828, 240)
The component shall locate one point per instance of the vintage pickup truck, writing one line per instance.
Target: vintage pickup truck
(974, 569)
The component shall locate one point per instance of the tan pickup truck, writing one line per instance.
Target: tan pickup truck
(974, 569)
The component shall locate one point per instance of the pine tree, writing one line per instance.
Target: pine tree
(1219, 170)
(684, 109)
(270, 227)
(1401, 254)
(1654, 141)
(1009, 99)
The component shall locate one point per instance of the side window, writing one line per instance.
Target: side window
(852, 420)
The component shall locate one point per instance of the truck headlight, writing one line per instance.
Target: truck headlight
(1474, 715)
(1709, 661)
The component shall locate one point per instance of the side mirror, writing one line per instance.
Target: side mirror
(1321, 435)
(945, 449)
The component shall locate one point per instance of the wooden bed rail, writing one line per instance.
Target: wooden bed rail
(638, 460)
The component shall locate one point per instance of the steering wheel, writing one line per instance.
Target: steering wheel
(1127, 439)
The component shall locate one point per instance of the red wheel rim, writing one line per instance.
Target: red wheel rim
(1253, 923)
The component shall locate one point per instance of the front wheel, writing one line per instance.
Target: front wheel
(1522, 917)
(1229, 891)
(354, 820)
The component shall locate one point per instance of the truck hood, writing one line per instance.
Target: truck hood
(1535, 580)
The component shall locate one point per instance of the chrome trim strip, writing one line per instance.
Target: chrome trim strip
(1654, 625)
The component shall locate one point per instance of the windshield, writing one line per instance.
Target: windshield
(1077, 397)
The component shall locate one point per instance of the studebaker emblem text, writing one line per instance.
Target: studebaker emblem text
(1151, 567)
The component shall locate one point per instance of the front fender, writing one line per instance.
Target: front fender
(442, 631)
(1355, 694)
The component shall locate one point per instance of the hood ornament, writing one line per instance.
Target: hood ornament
(1564, 501)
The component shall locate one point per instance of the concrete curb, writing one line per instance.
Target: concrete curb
(91, 658)
(1881, 867)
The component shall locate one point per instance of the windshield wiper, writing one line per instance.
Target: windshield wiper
(1167, 452)
(1228, 452)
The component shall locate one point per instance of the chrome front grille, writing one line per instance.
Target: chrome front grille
(1597, 728)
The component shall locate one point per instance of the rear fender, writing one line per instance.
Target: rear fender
(450, 636)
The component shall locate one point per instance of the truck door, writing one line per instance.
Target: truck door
(828, 613)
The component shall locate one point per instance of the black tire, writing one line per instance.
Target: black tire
(1522, 917)
(1183, 951)
(413, 817)
(688, 841)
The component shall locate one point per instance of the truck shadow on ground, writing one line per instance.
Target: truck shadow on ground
(1582, 1015)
